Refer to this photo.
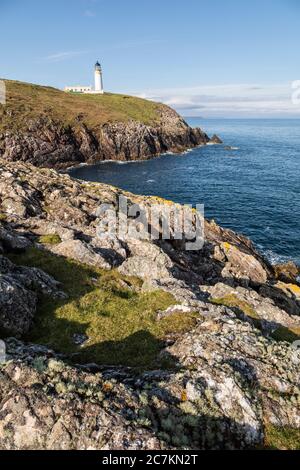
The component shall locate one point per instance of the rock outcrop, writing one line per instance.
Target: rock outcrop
(231, 381)
(50, 145)
(56, 130)
(19, 286)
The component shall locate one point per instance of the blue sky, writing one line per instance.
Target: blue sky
(214, 58)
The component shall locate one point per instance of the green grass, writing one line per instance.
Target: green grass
(119, 320)
(52, 239)
(26, 101)
(281, 438)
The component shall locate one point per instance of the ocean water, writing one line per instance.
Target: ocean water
(253, 189)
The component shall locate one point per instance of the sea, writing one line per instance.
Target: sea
(251, 184)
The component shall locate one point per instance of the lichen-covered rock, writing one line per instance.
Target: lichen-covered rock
(237, 372)
(242, 266)
(263, 311)
(231, 384)
(80, 251)
(287, 272)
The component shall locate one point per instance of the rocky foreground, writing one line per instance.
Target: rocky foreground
(229, 381)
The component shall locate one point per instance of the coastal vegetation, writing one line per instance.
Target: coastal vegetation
(117, 321)
(25, 102)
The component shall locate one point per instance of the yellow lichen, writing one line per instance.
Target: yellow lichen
(293, 288)
(226, 246)
(184, 396)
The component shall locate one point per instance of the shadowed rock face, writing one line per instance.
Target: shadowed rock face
(50, 144)
(236, 376)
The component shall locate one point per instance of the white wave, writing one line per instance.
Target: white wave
(275, 258)
(187, 151)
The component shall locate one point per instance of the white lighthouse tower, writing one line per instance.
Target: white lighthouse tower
(98, 79)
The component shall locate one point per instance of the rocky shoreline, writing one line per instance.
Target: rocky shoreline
(229, 380)
(54, 142)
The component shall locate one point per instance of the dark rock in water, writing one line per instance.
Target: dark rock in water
(216, 140)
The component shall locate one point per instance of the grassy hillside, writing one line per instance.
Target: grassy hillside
(26, 101)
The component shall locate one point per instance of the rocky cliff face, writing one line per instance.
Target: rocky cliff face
(50, 143)
(230, 380)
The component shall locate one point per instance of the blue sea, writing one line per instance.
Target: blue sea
(253, 189)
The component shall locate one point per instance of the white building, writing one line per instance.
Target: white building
(88, 89)
(78, 89)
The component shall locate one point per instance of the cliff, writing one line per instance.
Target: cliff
(50, 128)
(141, 344)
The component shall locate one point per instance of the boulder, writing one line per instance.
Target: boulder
(242, 266)
(216, 140)
(81, 252)
(17, 307)
(144, 268)
(287, 272)
(19, 287)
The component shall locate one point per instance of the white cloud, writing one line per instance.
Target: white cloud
(233, 100)
(61, 56)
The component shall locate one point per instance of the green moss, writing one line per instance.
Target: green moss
(282, 438)
(106, 307)
(53, 239)
(27, 101)
(232, 301)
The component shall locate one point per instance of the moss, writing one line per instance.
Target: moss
(277, 438)
(119, 321)
(52, 239)
(233, 301)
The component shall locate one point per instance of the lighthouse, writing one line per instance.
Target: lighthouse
(98, 79)
(85, 89)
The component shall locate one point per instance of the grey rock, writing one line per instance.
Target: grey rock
(17, 306)
(81, 252)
